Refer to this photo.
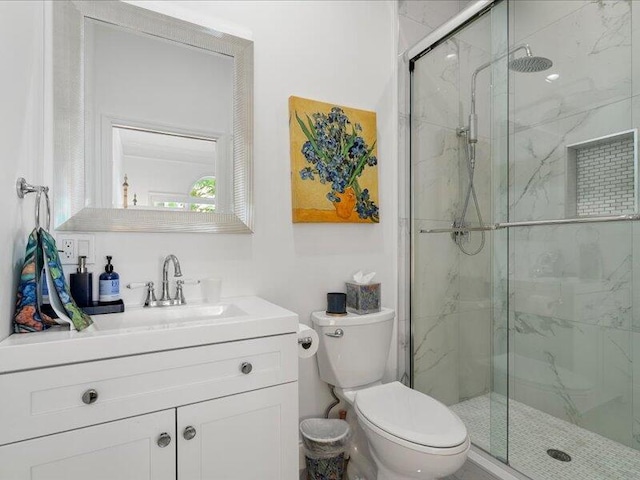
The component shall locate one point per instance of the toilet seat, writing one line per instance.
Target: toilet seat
(412, 419)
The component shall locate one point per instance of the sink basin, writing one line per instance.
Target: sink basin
(163, 317)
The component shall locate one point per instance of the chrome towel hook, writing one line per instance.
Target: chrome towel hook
(23, 188)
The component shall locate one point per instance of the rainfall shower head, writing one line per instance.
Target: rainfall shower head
(530, 64)
(525, 64)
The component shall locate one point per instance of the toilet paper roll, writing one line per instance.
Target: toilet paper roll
(307, 341)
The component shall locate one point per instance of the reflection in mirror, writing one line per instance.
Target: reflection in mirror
(133, 80)
(165, 119)
(153, 170)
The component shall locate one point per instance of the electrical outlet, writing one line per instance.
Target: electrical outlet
(68, 251)
(71, 246)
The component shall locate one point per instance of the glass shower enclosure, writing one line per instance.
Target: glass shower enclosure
(524, 233)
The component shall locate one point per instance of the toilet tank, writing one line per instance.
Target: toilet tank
(357, 357)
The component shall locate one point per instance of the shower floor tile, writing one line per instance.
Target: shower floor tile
(532, 433)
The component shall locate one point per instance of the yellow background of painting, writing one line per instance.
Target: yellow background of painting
(310, 203)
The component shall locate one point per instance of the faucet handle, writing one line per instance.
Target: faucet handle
(151, 294)
(179, 291)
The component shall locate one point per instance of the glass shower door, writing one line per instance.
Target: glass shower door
(571, 286)
(459, 314)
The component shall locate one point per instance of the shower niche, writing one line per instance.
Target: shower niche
(602, 176)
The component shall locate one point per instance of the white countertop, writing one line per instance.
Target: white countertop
(143, 330)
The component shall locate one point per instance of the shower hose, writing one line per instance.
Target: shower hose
(471, 193)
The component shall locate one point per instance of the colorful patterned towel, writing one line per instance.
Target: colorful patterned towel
(28, 318)
(80, 319)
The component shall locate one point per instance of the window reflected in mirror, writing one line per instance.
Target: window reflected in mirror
(159, 170)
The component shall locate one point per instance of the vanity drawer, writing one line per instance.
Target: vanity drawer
(49, 400)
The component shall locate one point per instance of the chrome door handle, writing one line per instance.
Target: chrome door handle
(337, 334)
(164, 440)
(189, 433)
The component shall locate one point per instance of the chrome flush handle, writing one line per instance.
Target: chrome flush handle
(339, 333)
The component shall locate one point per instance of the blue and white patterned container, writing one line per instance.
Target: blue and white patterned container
(363, 299)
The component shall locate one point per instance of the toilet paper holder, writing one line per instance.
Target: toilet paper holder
(305, 342)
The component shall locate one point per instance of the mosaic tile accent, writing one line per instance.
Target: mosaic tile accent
(605, 177)
(532, 432)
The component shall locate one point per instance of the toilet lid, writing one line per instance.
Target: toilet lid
(411, 415)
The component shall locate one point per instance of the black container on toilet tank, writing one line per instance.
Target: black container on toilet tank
(336, 303)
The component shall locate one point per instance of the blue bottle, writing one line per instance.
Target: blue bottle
(109, 286)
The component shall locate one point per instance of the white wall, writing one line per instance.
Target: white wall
(21, 141)
(341, 52)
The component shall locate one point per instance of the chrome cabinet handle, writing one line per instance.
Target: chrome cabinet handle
(189, 433)
(246, 368)
(337, 334)
(90, 396)
(164, 440)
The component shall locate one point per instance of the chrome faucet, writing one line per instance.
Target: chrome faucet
(177, 272)
(166, 300)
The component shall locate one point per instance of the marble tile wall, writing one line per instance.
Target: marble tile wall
(591, 50)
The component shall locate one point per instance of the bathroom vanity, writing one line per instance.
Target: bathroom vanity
(193, 392)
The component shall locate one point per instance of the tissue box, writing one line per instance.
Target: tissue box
(363, 299)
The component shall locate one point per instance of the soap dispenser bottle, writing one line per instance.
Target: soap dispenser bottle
(109, 291)
(81, 284)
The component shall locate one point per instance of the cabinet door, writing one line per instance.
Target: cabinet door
(123, 450)
(248, 436)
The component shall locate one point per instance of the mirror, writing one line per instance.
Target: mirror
(152, 122)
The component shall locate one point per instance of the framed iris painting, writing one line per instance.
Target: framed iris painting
(334, 163)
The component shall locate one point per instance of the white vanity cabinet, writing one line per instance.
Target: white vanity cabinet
(242, 437)
(121, 450)
(199, 411)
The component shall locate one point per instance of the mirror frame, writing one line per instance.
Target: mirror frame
(72, 204)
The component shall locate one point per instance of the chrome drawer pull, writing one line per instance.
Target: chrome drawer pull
(90, 396)
(189, 433)
(337, 334)
(246, 368)
(164, 440)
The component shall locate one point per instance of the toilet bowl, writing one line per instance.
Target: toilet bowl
(410, 435)
(403, 434)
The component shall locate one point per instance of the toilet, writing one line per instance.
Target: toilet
(401, 433)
